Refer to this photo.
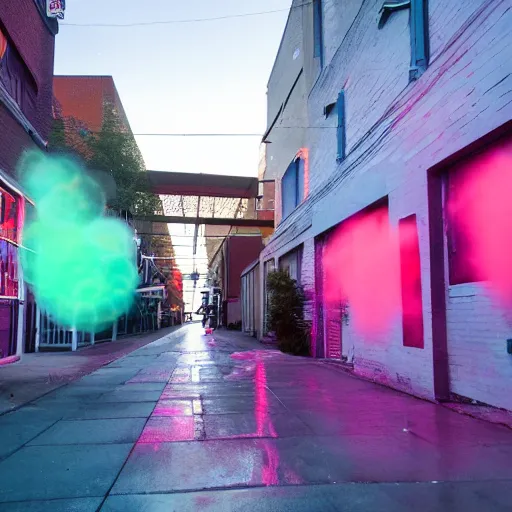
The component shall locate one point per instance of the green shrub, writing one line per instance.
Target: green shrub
(286, 314)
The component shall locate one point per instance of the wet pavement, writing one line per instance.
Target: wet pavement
(193, 422)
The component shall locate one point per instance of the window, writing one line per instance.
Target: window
(410, 277)
(462, 265)
(292, 187)
(341, 132)
(15, 75)
(268, 267)
(419, 38)
(318, 37)
(291, 263)
(418, 29)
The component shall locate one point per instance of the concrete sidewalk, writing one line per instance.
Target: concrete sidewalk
(192, 423)
(37, 374)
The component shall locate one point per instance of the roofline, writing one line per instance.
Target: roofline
(250, 267)
(282, 37)
(83, 76)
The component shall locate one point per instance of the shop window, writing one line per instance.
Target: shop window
(410, 276)
(291, 263)
(15, 76)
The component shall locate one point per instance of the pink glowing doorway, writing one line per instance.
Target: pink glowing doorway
(327, 330)
(470, 232)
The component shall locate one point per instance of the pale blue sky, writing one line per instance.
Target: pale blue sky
(192, 77)
(205, 77)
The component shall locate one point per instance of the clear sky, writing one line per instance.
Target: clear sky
(203, 77)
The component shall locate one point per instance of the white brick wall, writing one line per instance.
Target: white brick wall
(396, 131)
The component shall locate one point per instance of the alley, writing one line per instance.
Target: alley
(193, 422)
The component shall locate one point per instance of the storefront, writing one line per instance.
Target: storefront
(12, 289)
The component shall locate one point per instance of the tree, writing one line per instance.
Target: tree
(113, 150)
(286, 314)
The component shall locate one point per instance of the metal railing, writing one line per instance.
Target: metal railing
(52, 335)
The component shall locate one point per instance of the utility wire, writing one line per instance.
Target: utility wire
(172, 22)
(129, 134)
(197, 134)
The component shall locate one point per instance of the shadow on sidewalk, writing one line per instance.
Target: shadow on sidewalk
(38, 374)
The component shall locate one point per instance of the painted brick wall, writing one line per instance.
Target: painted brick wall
(36, 45)
(396, 131)
(480, 367)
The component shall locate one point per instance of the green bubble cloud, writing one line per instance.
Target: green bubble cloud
(79, 264)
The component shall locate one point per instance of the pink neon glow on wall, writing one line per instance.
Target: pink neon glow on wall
(480, 207)
(361, 263)
(410, 270)
(303, 154)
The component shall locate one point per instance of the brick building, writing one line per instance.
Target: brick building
(27, 42)
(375, 110)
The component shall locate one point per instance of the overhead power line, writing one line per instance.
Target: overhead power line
(198, 134)
(173, 22)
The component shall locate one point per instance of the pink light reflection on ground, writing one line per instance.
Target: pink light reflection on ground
(168, 429)
(264, 425)
(255, 362)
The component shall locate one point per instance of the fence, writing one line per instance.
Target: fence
(54, 336)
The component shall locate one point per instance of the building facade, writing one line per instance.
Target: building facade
(27, 43)
(234, 254)
(385, 105)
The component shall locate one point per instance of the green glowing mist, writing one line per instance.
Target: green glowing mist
(79, 264)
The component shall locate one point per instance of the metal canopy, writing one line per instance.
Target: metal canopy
(198, 184)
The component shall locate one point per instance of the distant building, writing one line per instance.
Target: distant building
(380, 107)
(233, 255)
(27, 43)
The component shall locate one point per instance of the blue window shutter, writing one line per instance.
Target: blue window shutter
(318, 31)
(289, 190)
(340, 132)
(300, 180)
(419, 38)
